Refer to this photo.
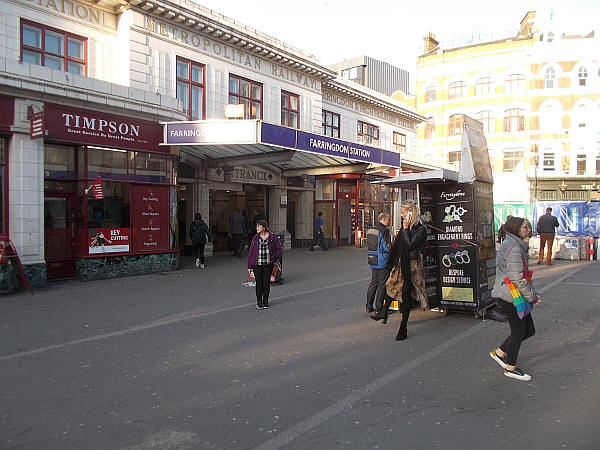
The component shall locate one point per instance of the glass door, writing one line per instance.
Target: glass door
(59, 235)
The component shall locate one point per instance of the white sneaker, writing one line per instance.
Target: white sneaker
(197, 262)
(202, 266)
(517, 374)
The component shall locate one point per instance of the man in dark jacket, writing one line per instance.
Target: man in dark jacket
(198, 234)
(546, 228)
(379, 271)
(237, 231)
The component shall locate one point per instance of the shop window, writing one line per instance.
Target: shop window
(582, 75)
(3, 183)
(548, 161)
(430, 129)
(455, 125)
(484, 86)
(290, 110)
(456, 90)
(112, 211)
(59, 162)
(190, 87)
(512, 159)
(549, 78)
(108, 164)
(367, 133)
(325, 189)
(581, 161)
(331, 124)
(430, 94)
(487, 120)
(54, 48)
(514, 83)
(514, 120)
(399, 142)
(150, 168)
(249, 93)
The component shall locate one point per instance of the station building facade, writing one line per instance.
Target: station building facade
(93, 188)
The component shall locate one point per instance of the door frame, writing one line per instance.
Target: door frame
(63, 267)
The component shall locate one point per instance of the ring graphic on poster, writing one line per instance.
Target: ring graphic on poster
(462, 257)
(453, 213)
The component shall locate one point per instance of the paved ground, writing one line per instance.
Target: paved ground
(184, 360)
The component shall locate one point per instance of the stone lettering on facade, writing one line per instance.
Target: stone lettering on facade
(77, 10)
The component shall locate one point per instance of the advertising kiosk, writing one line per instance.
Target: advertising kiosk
(458, 209)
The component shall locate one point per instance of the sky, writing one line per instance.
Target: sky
(393, 30)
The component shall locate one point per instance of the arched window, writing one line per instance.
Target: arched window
(582, 75)
(487, 119)
(514, 82)
(456, 90)
(549, 78)
(455, 124)
(484, 86)
(550, 117)
(430, 129)
(430, 94)
(514, 120)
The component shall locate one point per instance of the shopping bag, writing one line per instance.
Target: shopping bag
(523, 307)
(250, 280)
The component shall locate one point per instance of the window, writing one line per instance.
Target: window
(551, 117)
(484, 86)
(399, 142)
(246, 92)
(107, 164)
(549, 78)
(331, 124)
(290, 110)
(454, 157)
(430, 129)
(190, 88)
(581, 164)
(430, 94)
(582, 76)
(367, 133)
(112, 211)
(514, 82)
(548, 162)
(455, 124)
(511, 160)
(514, 120)
(456, 90)
(53, 48)
(59, 162)
(487, 120)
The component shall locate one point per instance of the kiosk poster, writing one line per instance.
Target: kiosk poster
(150, 218)
(108, 240)
(458, 272)
(474, 156)
(454, 214)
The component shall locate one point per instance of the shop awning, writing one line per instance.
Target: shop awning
(236, 142)
(409, 181)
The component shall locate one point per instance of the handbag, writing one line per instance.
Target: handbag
(522, 306)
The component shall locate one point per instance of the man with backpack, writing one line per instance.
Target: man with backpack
(199, 234)
(379, 242)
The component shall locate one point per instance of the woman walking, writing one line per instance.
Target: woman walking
(511, 263)
(406, 278)
(265, 250)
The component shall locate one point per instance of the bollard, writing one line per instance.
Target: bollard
(590, 241)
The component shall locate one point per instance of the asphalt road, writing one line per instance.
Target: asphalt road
(183, 360)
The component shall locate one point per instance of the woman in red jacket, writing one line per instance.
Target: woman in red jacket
(265, 250)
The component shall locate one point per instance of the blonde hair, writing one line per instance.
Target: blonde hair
(383, 216)
(415, 216)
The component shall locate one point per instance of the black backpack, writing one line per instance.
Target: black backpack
(199, 233)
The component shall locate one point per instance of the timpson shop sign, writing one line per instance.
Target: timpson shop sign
(227, 52)
(367, 110)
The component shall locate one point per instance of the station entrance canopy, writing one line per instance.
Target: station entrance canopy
(235, 142)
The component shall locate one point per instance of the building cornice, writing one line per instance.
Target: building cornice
(203, 21)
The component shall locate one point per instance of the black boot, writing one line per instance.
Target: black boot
(401, 332)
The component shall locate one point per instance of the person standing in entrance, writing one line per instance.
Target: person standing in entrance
(199, 234)
(546, 228)
(265, 250)
(319, 233)
(236, 231)
(379, 271)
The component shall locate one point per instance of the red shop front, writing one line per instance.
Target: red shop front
(6, 121)
(107, 195)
